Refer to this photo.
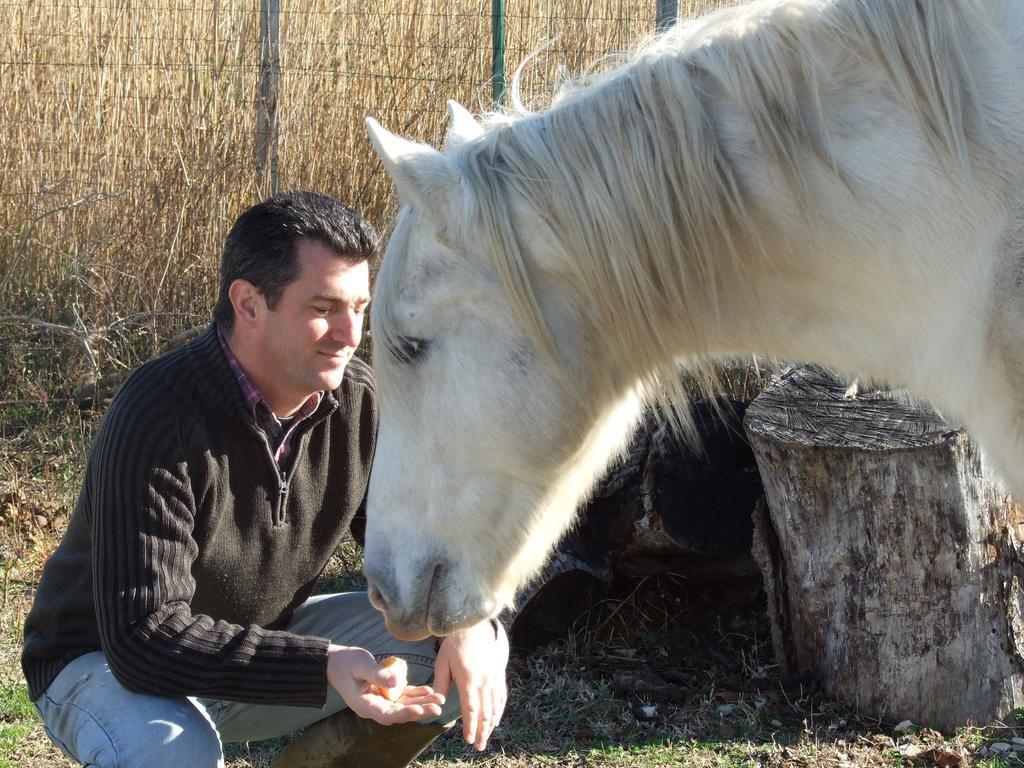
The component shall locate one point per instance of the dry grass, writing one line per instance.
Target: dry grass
(129, 135)
(130, 129)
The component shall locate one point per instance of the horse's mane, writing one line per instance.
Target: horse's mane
(628, 172)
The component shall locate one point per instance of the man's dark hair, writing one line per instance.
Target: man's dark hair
(260, 247)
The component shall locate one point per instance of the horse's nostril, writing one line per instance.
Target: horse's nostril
(376, 597)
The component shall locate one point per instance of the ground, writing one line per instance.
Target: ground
(667, 672)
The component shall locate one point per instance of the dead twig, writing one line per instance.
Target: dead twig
(81, 334)
(95, 197)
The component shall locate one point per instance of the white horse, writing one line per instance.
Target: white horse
(839, 181)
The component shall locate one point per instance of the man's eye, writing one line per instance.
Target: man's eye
(409, 349)
(322, 310)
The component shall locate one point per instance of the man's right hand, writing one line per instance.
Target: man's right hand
(357, 676)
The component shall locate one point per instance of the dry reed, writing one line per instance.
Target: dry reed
(128, 133)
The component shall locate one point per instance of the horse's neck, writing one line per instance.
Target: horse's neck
(697, 222)
(643, 231)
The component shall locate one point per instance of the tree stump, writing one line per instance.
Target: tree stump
(891, 555)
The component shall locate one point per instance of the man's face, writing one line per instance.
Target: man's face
(310, 335)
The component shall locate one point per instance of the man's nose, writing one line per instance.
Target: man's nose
(347, 329)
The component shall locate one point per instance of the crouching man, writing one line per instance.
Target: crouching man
(176, 613)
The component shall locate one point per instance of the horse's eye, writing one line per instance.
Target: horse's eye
(409, 349)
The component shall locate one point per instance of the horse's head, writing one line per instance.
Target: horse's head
(491, 430)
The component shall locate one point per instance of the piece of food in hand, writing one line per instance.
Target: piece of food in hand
(402, 670)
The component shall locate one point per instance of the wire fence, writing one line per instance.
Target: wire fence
(130, 131)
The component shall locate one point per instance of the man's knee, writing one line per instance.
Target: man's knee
(170, 740)
(191, 742)
(96, 721)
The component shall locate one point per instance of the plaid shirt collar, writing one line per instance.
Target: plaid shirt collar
(280, 437)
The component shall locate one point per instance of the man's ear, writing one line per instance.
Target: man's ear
(246, 300)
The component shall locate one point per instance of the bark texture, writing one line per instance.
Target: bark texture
(891, 555)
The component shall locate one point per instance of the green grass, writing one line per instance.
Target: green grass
(12, 737)
(14, 703)
(18, 723)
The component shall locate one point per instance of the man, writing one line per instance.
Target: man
(176, 613)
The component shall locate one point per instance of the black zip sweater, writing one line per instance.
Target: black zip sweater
(189, 549)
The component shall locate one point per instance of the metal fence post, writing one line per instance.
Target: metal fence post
(269, 88)
(498, 51)
(667, 14)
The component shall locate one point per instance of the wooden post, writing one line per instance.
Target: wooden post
(891, 556)
(269, 89)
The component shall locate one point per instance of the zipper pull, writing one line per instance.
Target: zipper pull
(283, 500)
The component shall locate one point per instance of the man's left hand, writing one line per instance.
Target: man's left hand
(475, 660)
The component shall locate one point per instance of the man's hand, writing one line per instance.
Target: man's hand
(475, 659)
(359, 679)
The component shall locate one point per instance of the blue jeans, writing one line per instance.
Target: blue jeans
(97, 722)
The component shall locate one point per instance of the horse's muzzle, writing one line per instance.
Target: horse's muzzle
(406, 620)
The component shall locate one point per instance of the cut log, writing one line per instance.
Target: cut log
(564, 592)
(663, 508)
(891, 555)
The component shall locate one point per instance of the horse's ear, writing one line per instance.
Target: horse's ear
(462, 126)
(422, 176)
